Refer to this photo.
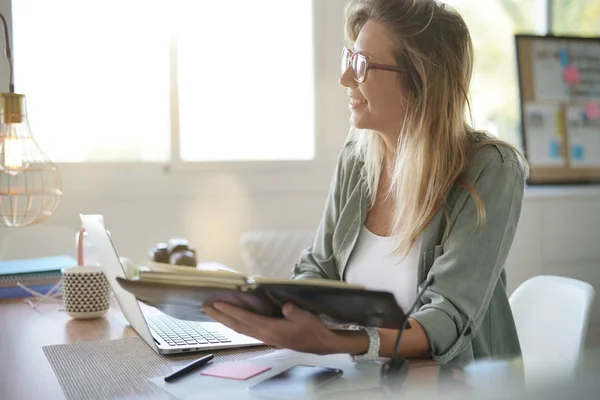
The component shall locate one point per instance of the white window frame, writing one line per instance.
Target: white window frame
(176, 177)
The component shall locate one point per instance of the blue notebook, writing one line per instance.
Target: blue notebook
(32, 265)
(31, 272)
(18, 292)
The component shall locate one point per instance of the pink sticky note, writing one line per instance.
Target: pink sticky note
(571, 75)
(234, 370)
(592, 110)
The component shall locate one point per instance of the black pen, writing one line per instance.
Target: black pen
(190, 367)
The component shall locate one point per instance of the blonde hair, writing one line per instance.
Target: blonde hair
(434, 140)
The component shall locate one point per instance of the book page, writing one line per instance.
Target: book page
(190, 276)
(194, 282)
(305, 282)
(181, 270)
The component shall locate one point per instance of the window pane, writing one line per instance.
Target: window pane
(96, 78)
(494, 88)
(576, 17)
(246, 89)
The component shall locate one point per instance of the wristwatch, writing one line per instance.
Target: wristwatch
(373, 350)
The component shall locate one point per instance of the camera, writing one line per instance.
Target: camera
(175, 251)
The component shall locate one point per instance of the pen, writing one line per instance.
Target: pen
(190, 367)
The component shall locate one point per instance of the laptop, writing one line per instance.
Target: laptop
(164, 334)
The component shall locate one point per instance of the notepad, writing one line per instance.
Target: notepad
(235, 370)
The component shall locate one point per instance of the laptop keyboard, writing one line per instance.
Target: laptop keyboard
(177, 332)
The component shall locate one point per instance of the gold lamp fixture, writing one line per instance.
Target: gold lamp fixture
(30, 184)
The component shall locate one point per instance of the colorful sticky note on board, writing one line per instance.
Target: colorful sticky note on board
(563, 56)
(592, 110)
(553, 149)
(577, 152)
(571, 75)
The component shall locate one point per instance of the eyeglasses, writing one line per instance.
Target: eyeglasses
(360, 65)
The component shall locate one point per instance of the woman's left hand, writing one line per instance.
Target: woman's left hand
(299, 330)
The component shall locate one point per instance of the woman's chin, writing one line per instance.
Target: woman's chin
(357, 122)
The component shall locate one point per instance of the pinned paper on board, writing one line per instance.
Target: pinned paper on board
(563, 56)
(559, 93)
(544, 135)
(592, 110)
(582, 73)
(547, 73)
(583, 138)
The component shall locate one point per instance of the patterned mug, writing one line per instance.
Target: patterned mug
(86, 292)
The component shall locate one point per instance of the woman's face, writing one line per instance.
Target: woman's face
(376, 103)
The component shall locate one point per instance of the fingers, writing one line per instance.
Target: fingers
(243, 316)
(241, 321)
(230, 322)
(296, 314)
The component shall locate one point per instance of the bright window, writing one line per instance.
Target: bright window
(123, 80)
(493, 23)
(576, 17)
(246, 81)
(96, 80)
(494, 88)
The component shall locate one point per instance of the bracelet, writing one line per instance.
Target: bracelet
(373, 350)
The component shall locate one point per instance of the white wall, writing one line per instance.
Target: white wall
(558, 234)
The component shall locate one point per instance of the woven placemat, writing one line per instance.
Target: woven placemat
(118, 369)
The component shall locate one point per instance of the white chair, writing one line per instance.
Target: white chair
(551, 315)
(37, 241)
(273, 253)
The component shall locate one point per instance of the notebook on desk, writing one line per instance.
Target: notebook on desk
(36, 265)
(161, 332)
(39, 274)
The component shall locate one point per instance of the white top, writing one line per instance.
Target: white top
(373, 265)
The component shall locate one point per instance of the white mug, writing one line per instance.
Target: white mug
(86, 292)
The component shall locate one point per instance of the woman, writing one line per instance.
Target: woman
(416, 193)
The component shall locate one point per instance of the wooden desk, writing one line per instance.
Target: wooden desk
(25, 373)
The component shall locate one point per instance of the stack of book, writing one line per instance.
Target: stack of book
(39, 274)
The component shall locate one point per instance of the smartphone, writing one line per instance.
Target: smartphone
(298, 381)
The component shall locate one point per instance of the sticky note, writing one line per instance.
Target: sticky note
(235, 370)
(553, 149)
(577, 153)
(592, 110)
(563, 56)
(571, 75)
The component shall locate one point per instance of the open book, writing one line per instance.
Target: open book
(181, 292)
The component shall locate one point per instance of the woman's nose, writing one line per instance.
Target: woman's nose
(347, 78)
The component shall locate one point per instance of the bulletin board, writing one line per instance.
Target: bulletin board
(559, 83)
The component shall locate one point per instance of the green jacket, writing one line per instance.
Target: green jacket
(465, 311)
